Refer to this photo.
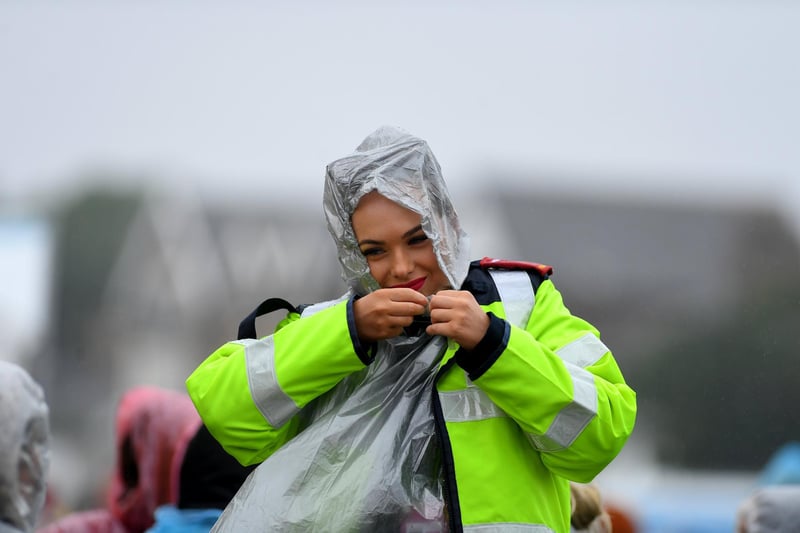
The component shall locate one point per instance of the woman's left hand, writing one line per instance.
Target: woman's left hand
(457, 315)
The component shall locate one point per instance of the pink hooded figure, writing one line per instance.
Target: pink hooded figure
(152, 425)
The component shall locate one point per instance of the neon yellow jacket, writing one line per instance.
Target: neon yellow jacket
(541, 400)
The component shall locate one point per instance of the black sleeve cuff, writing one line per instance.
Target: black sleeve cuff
(365, 353)
(482, 357)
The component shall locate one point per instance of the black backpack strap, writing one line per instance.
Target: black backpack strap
(247, 327)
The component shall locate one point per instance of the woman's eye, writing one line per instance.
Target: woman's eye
(417, 239)
(371, 251)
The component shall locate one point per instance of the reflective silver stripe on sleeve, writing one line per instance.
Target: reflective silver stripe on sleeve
(584, 351)
(503, 527)
(467, 405)
(516, 294)
(573, 418)
(473, 404)
(274, 404)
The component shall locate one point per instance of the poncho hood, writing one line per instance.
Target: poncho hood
(24, 448)
(402, 168)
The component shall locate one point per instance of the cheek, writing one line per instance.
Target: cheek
(378, 271)
(437, 275)
(441, 280)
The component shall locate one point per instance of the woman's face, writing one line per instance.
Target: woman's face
(398, 252)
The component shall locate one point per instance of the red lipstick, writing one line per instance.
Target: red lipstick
(415, 284)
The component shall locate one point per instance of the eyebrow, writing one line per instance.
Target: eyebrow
(407, 234)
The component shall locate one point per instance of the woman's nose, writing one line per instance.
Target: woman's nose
(402, 264)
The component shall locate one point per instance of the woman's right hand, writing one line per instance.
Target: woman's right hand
(384, 313)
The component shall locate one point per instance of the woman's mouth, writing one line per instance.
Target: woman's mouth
(415, 284)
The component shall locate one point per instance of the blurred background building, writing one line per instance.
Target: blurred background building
(161, 173)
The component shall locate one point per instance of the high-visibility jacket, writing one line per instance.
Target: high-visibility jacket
(547, 406)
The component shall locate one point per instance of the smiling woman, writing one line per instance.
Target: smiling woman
(397, 249)
(476, 419)
(400, 256)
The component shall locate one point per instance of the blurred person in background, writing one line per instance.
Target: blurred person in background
(772, 509)
(150, 422)
(206, 478)
(24, 449)
(432, 396)
(783, 467)
(774, 506)
(588, 513)
(623, 518)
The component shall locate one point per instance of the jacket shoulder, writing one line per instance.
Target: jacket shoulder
(507, 264)
(480, 283)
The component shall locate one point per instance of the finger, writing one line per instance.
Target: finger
(449, 292)
(442, 301)
(406, 309)
(441, 315)
(438, 329)
(407, 295)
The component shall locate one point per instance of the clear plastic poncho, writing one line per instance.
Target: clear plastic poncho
(402, 168)
(368, 457)
(24, 449)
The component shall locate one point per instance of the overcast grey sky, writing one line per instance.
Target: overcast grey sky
(670, 99)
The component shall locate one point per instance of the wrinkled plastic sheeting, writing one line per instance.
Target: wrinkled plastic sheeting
(368, 460)
(402, 168)
(24, 447)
